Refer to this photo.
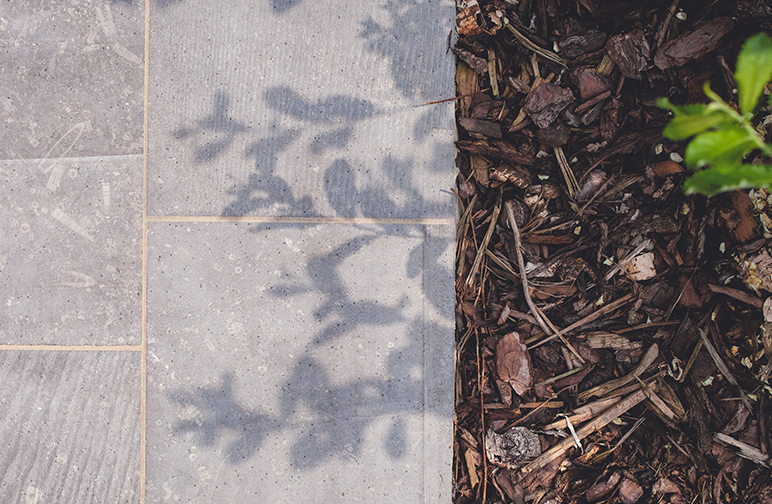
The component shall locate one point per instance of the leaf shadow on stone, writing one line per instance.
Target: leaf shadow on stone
(334, 417)
(415, 70)
(213, 412)
(213, 134)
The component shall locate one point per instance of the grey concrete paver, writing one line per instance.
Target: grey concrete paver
(299, 363)
(308, 360)
(70, 427)
(71, 251)
(71, 78)
(300, 108)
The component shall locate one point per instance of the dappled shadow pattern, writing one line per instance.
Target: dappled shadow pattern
(415, 71)
(332, 418)
(213, 134)
(211, 412)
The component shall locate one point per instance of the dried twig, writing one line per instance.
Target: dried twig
(586, 320)
(601, 390)
(663, 28)
(530, 45)
(632, 255)
(598, 423)
(538, 315)
(746, 451)
(483, 245)
(737, 294)
(584, 413)
(568, 173)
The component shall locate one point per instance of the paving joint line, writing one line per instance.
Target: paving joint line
(449, 221)
(143, 344)
(72, 348)
(79, 159)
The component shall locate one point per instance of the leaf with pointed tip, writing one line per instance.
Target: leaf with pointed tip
(689, 120)
(726, 147)
(729, 178)
(754, 70)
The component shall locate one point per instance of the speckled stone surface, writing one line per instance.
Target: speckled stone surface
(71, 78)
(299, 363)
(71, 251)
(304, 356)
(70, 427)
(301, 108)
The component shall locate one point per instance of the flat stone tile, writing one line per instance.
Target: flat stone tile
(299, 363)
(301, 108)
(71, 78)
(71, 251)
(70, 427)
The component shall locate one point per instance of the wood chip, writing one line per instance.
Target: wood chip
(693, 45)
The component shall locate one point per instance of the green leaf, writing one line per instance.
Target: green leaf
(726, 147)
(754, 70)
(692, 109)
(685, 126)
(690, 119)
(728, 178)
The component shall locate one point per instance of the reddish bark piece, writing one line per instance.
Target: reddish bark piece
(589, 83)
(466, 20)
(610, 120)
(515, 175)
(665, 168)
(499, 150)
(476, 63)
(514, 492)
(577, 45)
(545, 103)
(746, 228)
(601, 490)
(665, 486)
(486, 128)
(693, 45)
(513, 364)
(630, 51)
(630, 491)
(689, 297)
(554, 136)
(594, 181)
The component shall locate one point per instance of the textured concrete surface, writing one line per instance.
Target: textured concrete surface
(71, 250)
(71, 78)
(300, 108)
(292, 362)
(70, 429)
(283, 330)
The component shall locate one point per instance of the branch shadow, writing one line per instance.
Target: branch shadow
(332, 418)
(213, 412)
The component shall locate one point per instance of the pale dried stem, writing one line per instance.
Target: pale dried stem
(538, 315)
(596, 424)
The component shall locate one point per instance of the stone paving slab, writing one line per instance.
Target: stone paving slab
(299, 363)
(292, 362)
(71, 78)
(70, 429)
(71, 251)
(301, 108)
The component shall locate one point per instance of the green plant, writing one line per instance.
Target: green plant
(723, 137)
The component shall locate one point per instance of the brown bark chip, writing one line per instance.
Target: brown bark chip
(630, 491)
(545, 103)
(630, 51)
(513, 364)
(693, 45)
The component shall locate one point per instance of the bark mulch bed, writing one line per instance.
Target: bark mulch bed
(614, 337)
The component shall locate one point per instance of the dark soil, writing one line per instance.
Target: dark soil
(613, 339)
